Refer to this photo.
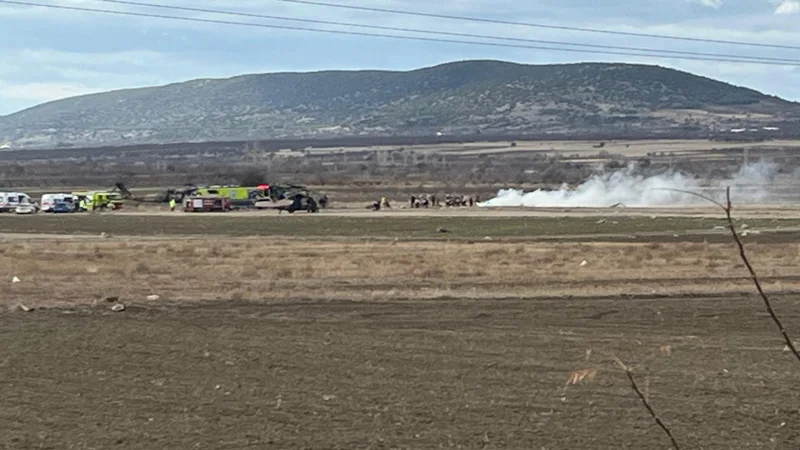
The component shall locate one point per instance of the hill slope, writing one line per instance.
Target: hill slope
(455, 98)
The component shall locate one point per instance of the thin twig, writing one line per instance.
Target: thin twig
(728, 208)
(647, 405)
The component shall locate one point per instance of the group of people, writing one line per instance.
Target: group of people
(450, 200)
(461, 200)
(432, 201)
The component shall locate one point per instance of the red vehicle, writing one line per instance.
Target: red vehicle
(207, 203)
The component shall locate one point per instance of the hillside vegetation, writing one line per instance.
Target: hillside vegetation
(457, 98)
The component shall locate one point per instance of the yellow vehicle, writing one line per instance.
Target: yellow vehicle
(91, 201)
(239, 196)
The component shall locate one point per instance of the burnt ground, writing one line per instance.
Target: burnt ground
(409, 375)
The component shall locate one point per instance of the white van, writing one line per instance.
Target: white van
(49, 201)
(10, 200)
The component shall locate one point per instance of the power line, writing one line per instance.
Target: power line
(445, 33)
(538, 25)
(391, 36)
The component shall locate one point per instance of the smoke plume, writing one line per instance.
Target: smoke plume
(750, 185)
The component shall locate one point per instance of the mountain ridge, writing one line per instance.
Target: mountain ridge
(462, 97)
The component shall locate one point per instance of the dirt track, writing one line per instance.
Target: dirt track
(749, 211)
(416, 375)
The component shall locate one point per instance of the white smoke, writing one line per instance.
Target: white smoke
(626, 187)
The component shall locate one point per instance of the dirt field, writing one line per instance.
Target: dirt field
(397, 374)
(336, 332)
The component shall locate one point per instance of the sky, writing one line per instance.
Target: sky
(48, 54)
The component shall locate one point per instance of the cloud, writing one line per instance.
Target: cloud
(788, 7)
(711, 3)
(42, 92)
(29, 76)
(137, 58)
(45, 74)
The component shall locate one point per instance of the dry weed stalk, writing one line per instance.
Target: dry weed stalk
(728, 208)
(576, 376)
(646, 402)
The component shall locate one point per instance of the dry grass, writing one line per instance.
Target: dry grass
(250, 269)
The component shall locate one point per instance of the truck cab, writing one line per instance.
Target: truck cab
(95, 200)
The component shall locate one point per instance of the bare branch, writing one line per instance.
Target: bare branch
(728, 209)
(646, 403)
(743, 255)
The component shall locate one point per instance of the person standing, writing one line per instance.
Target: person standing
(172, 204)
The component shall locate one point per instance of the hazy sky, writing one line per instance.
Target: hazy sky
(47, 54)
